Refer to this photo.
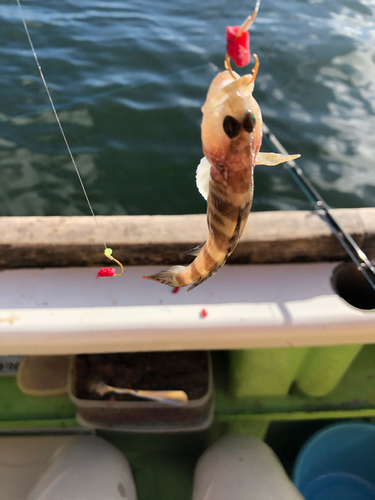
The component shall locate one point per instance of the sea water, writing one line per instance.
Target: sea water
(128, 79)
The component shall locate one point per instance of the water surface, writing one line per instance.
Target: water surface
(129, 79)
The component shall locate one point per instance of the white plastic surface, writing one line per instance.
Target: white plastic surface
(241, 467)
(23, 460)
(63, 468)
(67, 311)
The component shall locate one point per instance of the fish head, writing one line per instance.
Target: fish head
(232, 120)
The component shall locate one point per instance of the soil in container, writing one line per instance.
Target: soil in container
(180, 370)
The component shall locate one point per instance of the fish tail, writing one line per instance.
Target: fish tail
(170, 277)
(204, 265)
(173, 276)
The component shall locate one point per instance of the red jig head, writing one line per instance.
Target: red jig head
(176, 289)
(109, 271)
(238, 46)
(106, 271)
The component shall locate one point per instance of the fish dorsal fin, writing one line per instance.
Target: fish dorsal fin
(203, 177)
(272, 159)
(196, 250)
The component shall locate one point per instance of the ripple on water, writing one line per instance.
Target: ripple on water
(129, 78)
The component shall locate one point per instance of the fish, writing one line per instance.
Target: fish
(231, 132)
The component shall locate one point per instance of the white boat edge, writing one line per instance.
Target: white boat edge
(68, 311)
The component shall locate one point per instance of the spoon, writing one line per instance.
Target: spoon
(177, 398)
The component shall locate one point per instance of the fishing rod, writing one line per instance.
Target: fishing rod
(357, 255)
(236, 48)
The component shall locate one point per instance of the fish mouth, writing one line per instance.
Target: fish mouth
(243, 87)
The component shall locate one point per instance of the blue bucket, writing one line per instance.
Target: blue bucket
(339, 487)
(338, 463)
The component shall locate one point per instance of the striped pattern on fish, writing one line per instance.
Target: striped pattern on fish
(231, 138)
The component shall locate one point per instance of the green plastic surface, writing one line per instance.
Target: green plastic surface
(163, 464)
(258, 372)
(354, 392)
(323, 368)
(15, 405)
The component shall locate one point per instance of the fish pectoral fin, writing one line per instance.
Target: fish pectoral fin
(195, 251)
(272, 159)
(203, 177)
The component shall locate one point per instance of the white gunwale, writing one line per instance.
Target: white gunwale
(66, 310)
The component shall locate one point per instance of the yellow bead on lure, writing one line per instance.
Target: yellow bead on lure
(231, 138)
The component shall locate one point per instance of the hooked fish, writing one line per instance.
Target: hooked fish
(231, 138)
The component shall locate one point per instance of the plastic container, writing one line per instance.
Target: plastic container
(264, 372)
(241, 467)
(143, 415)
(44, 375)
(339, 487)
(64, 468)
(339, 455)
(324, 367)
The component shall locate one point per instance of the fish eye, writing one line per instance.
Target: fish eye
(249, 121)
(231, 126)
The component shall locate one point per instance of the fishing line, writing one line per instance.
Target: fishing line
(36, 99)
(107, 251)
(249, 19)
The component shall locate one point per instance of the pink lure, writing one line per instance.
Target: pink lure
(106, 271)
(238, 47)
